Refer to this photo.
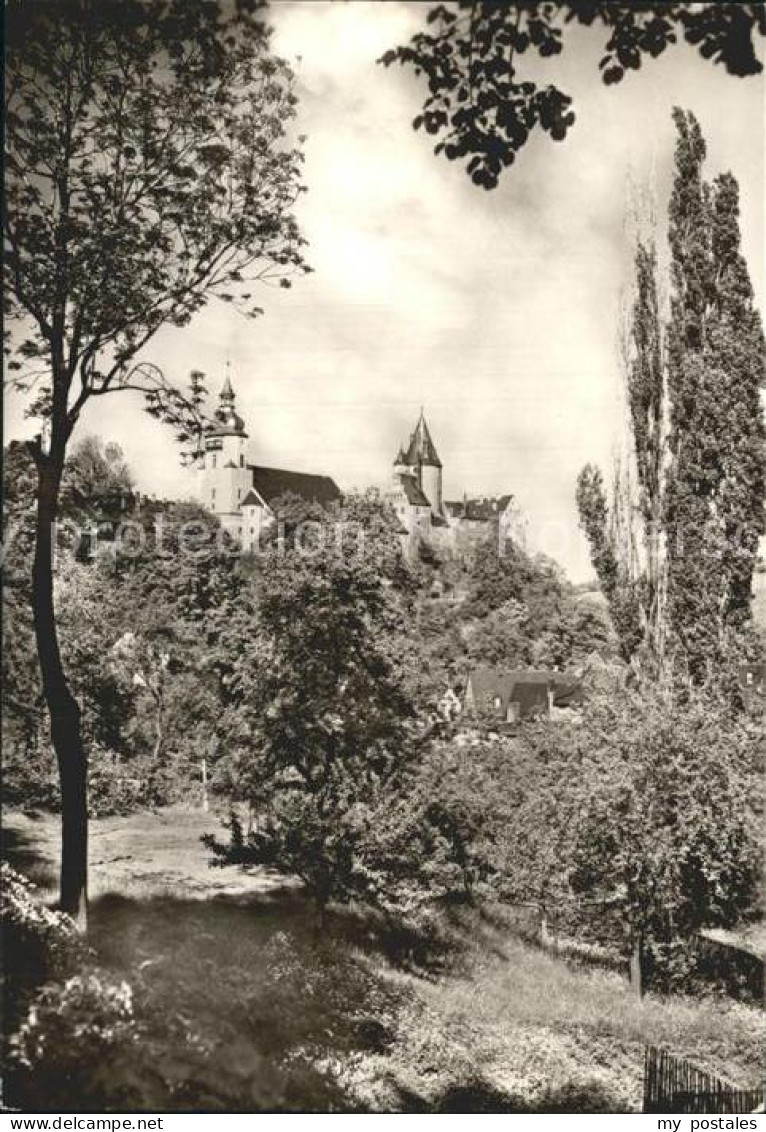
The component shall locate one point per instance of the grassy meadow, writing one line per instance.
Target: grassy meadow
(285, 1019)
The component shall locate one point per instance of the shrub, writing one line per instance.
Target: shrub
(71, 1024)
(39, 944)
(30, 780)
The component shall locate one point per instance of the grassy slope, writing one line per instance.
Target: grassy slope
(523, 1019)
(515, 1020)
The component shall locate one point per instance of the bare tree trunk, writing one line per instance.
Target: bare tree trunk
(63, 709)
(205, 804)
(159, 727)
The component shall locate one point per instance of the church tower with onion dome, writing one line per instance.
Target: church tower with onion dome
(225, 477)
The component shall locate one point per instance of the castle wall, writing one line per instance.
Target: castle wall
(430, 479)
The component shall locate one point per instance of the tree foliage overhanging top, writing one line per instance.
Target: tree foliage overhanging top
(480, 108)
(148, 169)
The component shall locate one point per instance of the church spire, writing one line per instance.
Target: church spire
(226, 415)
(227, 393)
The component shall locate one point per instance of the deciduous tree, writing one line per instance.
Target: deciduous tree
(147, 170)
(318, 722)
(483, 111)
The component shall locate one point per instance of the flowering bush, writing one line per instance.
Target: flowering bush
(21, 912)
(75, 1021)
(39, 943)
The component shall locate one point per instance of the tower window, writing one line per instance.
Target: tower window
(241, 460)
(212, 465)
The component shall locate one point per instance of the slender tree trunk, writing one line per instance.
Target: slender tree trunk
(636, 967)
(63, 709)
(159, 729)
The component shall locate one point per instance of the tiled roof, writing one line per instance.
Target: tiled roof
(273, 482)
(481, 509)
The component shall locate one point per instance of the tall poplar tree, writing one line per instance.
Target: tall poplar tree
(736, 340)
(714, 513)
(697, 433)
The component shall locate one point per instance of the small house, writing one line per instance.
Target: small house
(506, 696)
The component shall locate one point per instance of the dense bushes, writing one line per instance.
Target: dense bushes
(633, 826)
(38, 943)
(80, 1037)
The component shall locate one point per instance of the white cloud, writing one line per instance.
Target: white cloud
(494, 310)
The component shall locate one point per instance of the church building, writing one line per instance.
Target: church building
(242, 495)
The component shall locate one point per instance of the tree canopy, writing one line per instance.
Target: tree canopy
(148, 170)
(481, 108)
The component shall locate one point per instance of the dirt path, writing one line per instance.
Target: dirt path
(144, 855)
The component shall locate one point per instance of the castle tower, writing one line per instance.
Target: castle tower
(424, 459)
(225, 475)
(401, 467)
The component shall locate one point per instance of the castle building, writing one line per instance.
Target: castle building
(427, 518)
(243, 495)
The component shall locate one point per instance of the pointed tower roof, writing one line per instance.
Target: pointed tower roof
(422, 449)
(228, 421)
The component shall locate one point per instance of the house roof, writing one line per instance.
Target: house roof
(481, 509)
(273, 482)
(526, 687)
(252, 498)
(567, 690)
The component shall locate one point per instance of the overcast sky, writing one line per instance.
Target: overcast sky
(495, 311)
